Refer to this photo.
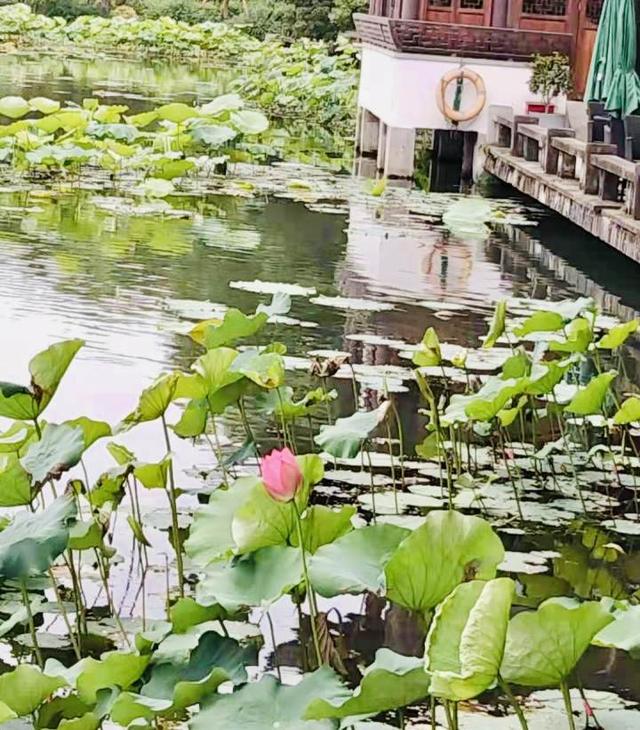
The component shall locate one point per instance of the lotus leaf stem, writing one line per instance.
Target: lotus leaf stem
(173, 504)
(32, 626)
(514, 703)
(566, 696)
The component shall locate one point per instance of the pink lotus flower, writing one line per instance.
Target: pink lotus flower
(281, 475)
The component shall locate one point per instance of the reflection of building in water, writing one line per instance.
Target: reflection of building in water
(392, 253)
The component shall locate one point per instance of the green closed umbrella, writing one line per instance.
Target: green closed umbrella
(612, 76)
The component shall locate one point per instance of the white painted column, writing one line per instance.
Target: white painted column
(400, 151)
(410, 10)
(369, 133)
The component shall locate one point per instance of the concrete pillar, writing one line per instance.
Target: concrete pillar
(410, 10)
(400, 152)
(382, 146)
(369, 129)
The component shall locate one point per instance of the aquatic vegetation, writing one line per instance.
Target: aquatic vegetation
(156, 147)
(267, 534)
(295, 82)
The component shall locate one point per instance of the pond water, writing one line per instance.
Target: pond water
(128, 284)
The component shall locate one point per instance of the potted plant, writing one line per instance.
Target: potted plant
(550, 77)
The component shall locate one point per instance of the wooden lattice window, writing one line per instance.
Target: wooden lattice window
(472, 4)
(557, 8)
(594, 10)
(440, 3)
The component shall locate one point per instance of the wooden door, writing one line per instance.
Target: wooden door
(589, 12)
(458, 12)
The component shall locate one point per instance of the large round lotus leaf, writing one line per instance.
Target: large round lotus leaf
(543, 647)
(266, 705)
(30, 544)
(355, 562)
(465, 644)
(258, 579)
(249, 122)
(154, 400)
(391, 682)
(446, 550)
(210, 536)
(14, 107)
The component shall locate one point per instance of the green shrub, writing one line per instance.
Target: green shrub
(69, 9)
(189, 11)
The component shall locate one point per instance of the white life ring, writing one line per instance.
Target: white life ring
(481, 95)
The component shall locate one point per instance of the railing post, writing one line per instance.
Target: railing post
(634, 195)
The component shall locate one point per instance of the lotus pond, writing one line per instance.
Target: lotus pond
(454, 543)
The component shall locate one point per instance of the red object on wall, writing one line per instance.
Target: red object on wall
(536, 107)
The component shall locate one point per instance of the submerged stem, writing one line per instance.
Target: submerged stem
(307, 584)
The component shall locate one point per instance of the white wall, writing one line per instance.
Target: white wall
(400, 89)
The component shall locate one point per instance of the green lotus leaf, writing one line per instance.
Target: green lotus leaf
(543, 647)
(130, 707)
(153, 476)
(109, 488)
(466, 640)
(497, 327)
(618, 335)
(44, 105)
(25, 688)
(225, 103)
(154, 400)
(266, 704)
(144, 119)
(177, 112)
(235, 325)
(255, 580)
(60, 448)
(92, 430)
(187, 612)
(213, 135)
(15, 482)
(589, 400)
(543, 321)
(86, 535)
(485, 404)
(623, 632)
(14, 107)
(393, 681)
(264, 369)
(355, 563)
(345, 437)
(429, 353)
(210, 537)
(155, 187)
(30, 544)
(89, 675)
(47, 369)
(322, 525)
(579, 337)
(446, 550)
(249, 122)
(262, 521)
(215, 660)
(168, 169)
(629, 411)
(194, 419)
(15, 437)
(517, 366)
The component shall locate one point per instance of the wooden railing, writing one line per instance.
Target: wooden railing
(466, 41)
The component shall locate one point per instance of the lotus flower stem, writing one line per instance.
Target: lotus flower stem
(400, 430)
(514, 703)
(245, 422)
(307, 584)
(566, 696)
(175, 527)
(433, 713)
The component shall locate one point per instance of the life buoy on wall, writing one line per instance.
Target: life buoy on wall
(481, 95)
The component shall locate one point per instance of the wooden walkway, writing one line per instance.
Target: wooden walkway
(585, 183)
